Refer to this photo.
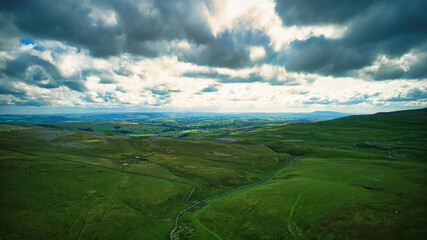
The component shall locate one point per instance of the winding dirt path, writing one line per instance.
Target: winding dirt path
(93, 212)
(171, 235)
(291, 225)
(223, 194)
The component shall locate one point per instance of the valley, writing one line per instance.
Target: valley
(357, 177)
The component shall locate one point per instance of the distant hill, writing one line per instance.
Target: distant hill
(413, 111)
(390, 120)
(142, 116)
(328, 114)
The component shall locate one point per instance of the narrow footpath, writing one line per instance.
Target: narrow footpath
(171, 235)
(223, 194)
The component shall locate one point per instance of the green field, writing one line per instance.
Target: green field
(358, 177)
(176, 125)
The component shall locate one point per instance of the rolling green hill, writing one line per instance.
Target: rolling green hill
(358, 177)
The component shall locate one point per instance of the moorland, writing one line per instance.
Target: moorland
(252, 176)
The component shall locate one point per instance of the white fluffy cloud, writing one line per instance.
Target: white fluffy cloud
(261, 15)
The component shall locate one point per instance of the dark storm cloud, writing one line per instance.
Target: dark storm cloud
(33, 70)
(326, 56)
(143, 27)
(415, 70)
(8, 88)
(392, 28)
(218, 53)
(70, 21)
(230, 48)
(312, 12)
(9, 34)
(224, 51)
(388, 72)
(418, 69)
(18, 67)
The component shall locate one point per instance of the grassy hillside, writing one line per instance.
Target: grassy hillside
(359, 177)
(40, 188)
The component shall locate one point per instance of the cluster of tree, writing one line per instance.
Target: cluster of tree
(86, 129)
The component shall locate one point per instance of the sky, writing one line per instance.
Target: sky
(212, 55)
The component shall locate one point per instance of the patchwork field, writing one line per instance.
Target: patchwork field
(358, 177)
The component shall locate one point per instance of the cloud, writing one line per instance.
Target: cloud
(417, 68)
(110, 28)
(356, 99)
(407, 66)
(316, 100)
(257, 52)
(266, 73)
(163, 90)
(390, 28)
(9, 34)
(134, 24)
(312, 12)
(7, 87)
(325, 56)
(220, 52)
(414, 94)
(31, 69)
(216, 54)
(39, 72)
(211, 88)
(33, 103)
(224, 78)
(386, 72)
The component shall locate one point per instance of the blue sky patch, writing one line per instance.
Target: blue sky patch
(27, 41)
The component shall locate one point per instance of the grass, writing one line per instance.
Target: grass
(10, 127)
(78, 201)
(360, 177)
(335, 190)
(49, 199)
